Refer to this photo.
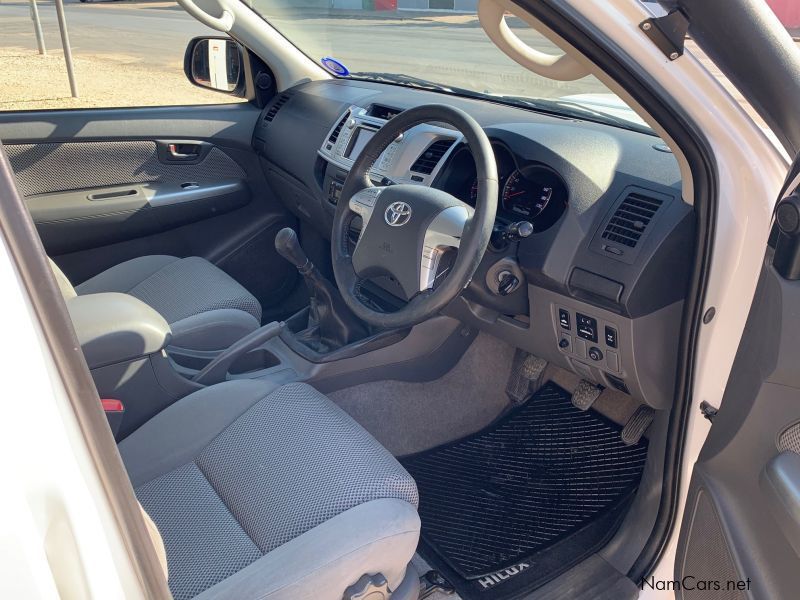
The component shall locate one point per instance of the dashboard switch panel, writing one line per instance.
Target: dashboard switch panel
(586, 327)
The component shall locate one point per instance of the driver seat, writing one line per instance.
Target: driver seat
(268, 492)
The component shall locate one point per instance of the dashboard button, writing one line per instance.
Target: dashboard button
(595, 353)
(611, 337)
(612, 360)
(563, 318)
(586, 327)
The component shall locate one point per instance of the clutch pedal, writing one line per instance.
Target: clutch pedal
(525, 377)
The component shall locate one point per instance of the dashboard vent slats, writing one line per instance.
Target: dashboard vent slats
(335, 133)
(276, 106)
(631, 219)
(428, 160)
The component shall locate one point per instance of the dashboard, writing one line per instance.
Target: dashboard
(598, 286)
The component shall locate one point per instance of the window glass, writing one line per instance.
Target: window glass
(124, 54)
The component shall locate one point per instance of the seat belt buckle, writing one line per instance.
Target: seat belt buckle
(114, 410)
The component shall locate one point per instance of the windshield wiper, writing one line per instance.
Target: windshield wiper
(568, 108)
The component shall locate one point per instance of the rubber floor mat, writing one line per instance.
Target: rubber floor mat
(546, 482)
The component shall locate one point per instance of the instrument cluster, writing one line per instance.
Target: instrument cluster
(528, 191)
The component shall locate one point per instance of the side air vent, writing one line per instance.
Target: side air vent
(428, 160)
(631, 219)
(276, 106)
(335, 133)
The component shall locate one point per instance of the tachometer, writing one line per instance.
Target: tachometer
(525, 197)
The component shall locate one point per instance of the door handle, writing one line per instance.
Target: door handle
(183, 151)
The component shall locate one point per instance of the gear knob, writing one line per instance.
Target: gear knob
(288, 246)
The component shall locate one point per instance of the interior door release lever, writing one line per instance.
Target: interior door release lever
(184, 151)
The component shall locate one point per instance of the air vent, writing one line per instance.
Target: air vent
(335, 133)
(631, 219)
(428, 160)
(276, 106)
(383, 112)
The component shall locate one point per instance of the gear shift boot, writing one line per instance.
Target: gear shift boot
(331, 324)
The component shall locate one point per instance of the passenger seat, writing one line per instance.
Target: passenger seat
(206, 309)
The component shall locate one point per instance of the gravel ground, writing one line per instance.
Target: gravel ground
(30, 81)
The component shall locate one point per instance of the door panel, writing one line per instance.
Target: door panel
(741, 523)
(104, 186)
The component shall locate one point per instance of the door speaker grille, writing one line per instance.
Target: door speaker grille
(706, 555)
(790, 439)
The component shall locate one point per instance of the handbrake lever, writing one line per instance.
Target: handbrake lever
(217, 369)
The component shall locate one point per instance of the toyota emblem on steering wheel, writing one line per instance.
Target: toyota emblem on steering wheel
(397, 214)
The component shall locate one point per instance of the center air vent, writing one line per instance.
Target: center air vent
(428, 160)
(630, 220)
(335, 133)
(276, 106)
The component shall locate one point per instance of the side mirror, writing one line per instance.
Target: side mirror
(215, 64)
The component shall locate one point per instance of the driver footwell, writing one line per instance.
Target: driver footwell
(513, 506)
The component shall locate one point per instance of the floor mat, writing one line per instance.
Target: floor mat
(513, 506)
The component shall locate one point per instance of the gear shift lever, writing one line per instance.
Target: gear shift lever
(331, 324)
(288, 246)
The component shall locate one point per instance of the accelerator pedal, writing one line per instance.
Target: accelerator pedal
(637, 425)
(525, 378)
(585, 394)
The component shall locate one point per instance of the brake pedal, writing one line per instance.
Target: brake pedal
(526, 374)
(585, 394)
(637, 425)
(432, 582)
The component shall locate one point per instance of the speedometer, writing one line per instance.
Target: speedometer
(525, 197)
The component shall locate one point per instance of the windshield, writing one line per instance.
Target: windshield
(433, 47)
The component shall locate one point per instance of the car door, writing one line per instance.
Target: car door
(105, 186)
(740, 533)
(176, 174)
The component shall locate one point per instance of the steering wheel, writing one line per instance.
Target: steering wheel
(407, 228)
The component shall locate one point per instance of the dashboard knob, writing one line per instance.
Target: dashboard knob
(564, 343)
(519, 230)
(595, 353)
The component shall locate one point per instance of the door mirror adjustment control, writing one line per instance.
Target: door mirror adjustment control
(595, 354)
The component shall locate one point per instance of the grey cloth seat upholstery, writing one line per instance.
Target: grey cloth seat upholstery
(205, 307)
(268, 492)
